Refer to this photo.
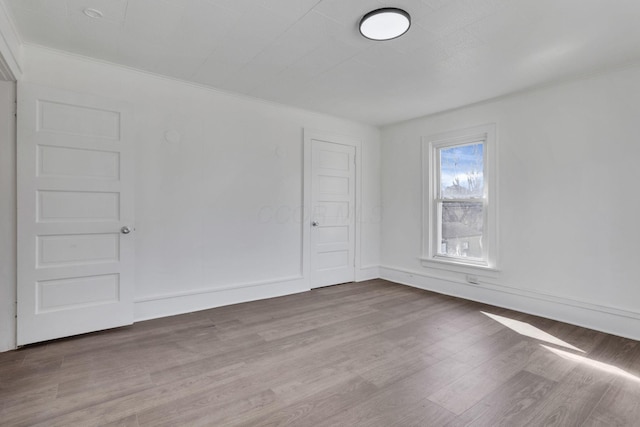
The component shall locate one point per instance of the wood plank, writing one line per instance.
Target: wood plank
(368, 354)
(394, 402)
(510, 404)
(468, 390)
(619, 406)
(314, 409)
(572, 400)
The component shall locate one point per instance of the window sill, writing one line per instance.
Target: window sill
(460, 267)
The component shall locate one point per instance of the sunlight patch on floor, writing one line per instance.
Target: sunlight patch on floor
(531, 331)
(605, 367)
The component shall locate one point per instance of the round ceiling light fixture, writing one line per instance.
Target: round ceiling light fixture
(385, 24)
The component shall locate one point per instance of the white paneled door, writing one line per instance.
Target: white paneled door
(75, 214)
(333, 186)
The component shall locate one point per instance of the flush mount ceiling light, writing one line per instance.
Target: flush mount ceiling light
(385, 24)
(92, 13)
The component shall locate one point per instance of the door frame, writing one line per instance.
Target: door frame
(309, 136)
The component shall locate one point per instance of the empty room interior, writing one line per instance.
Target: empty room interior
(319, 213)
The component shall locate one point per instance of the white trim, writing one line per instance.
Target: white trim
(364, 267)
(459, 267)
(369, 272)
(309, 135)
(607, 319)
(5, 70)
(429, 254)
(10, 68)
(8, 218)
(11, 22)
(171, 304)
(216, 289)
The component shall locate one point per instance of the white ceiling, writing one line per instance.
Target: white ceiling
(308, 53)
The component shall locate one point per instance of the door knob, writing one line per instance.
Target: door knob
(315, 223)
(125, 230)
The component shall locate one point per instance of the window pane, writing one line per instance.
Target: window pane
(461, 230)
(461, 172)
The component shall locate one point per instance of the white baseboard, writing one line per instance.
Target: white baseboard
(606, 319)
(153, 307)
(602, 318)
(368, 272)
(156, 306)
(7, 346)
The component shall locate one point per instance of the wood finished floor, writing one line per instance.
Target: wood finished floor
(367, 354)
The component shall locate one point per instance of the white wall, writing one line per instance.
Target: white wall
(7, 216)
(569, 202)
(218, 214)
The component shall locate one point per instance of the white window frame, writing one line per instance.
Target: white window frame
(431, 170)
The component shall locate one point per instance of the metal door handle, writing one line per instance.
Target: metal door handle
(125, 230)
(315, 223)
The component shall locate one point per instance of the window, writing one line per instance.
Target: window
(459, 199)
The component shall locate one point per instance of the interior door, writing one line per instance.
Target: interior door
(75, 214)
(332, 213)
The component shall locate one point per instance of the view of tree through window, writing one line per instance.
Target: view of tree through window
(460, 202)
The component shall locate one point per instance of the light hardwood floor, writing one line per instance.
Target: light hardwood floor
(366, 354)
